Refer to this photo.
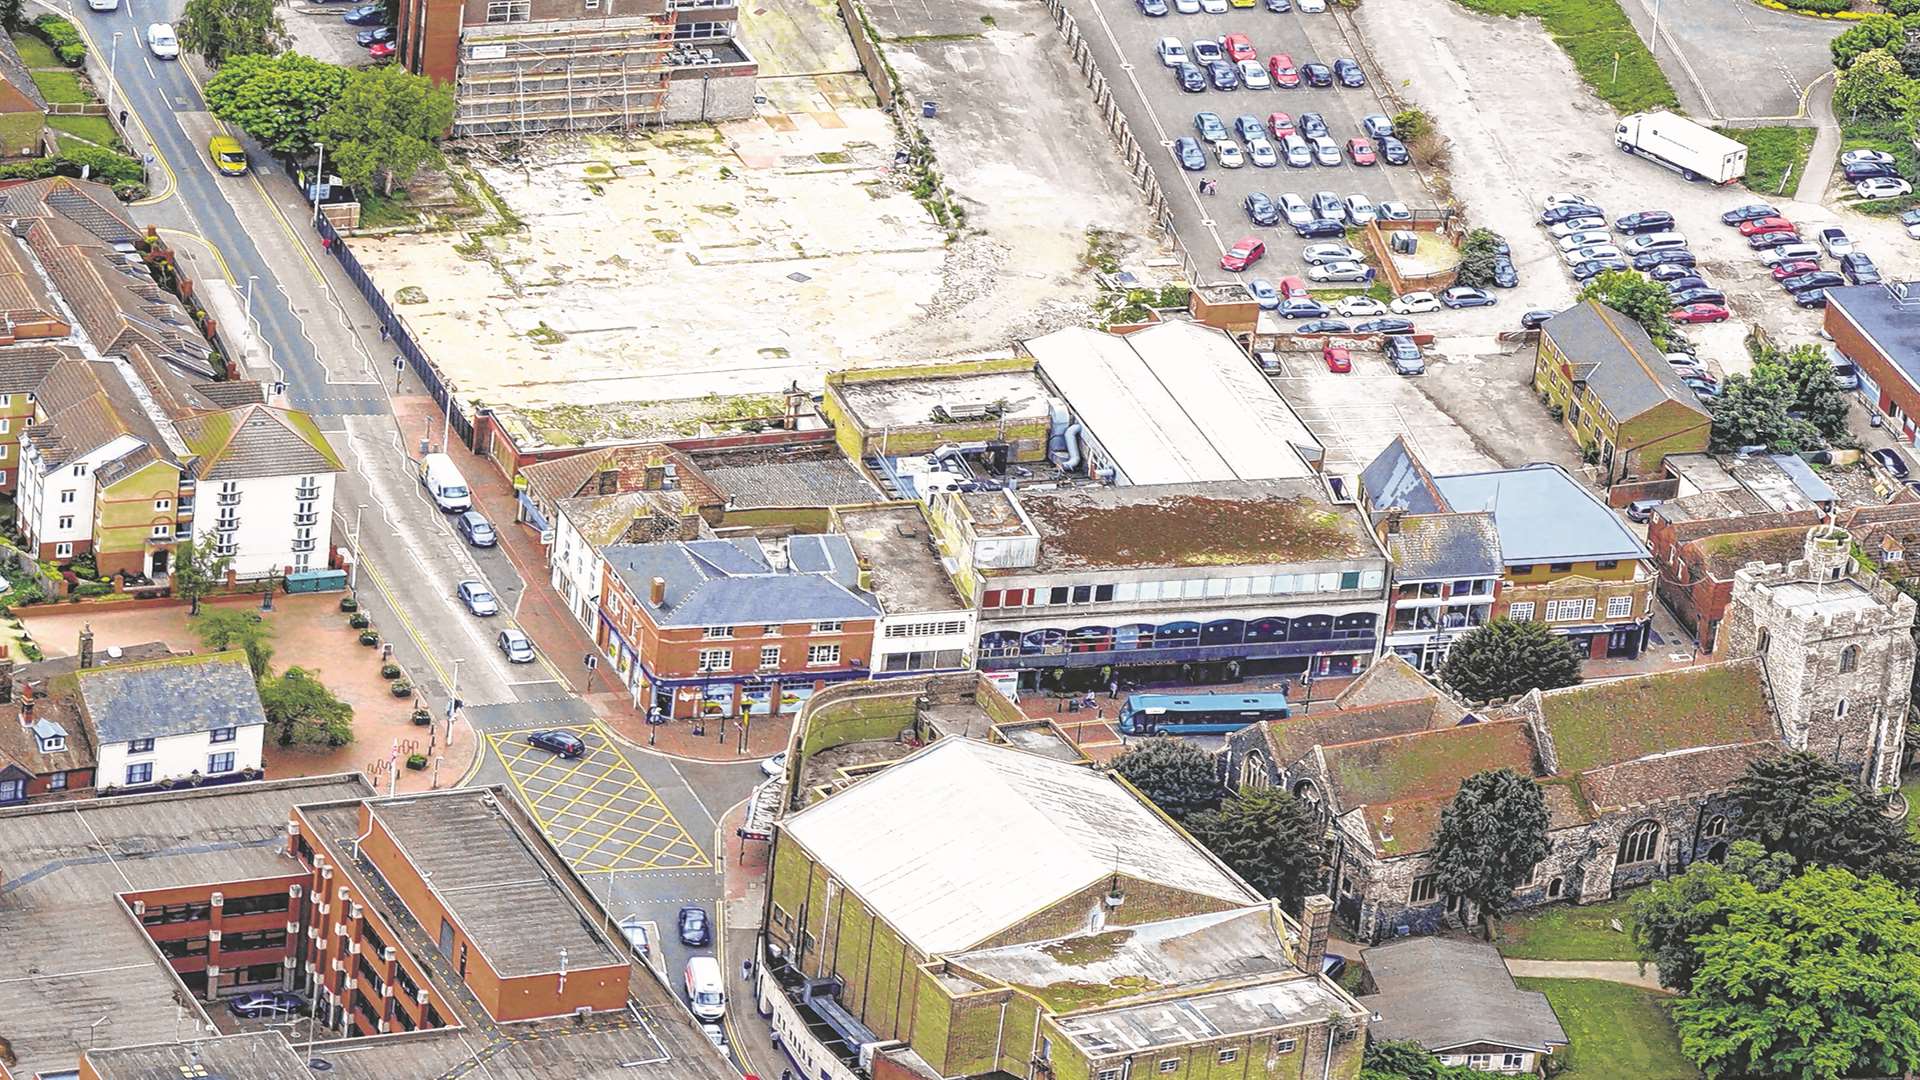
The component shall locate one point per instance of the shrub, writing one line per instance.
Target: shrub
(93, 588)
(401, 688)
(369, 638)
(359, 621)
(72, 55)
(102, 164)
(416, 762)
(390, 670)
(348, 603)
(422, 717)
(57, 31)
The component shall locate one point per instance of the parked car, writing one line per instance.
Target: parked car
(1775, 223)
(564, 743)
(1811, 298)
(1361, 152)
(775, 765)
(1320, 227)
(516, 645)
(1690, 297)
(1360, 307)
(1554, 215)
(1317, 75)
(1404, 354)
(1279, 125)
(1228, 154)
(1691, 281)
(1911, 220)
(1651, 259)
(1191, 78)
(1790, 253)
(1574, 226)
(1224, 75)
(1323, 326)
(1377, 125)
(1340, 272)
(479, 600)
(1312, 124)
(258, 1004)
(1391, 325)
(1170, 49)
(1260, 209)
(1644, 221)
(162, 42)
(1594, 268)
(1854, 157)
(1535, 319)
(1891, 460)
(1785, 270)
(1749, 212)
(1670, 272)
(1590, 253)
(1238, 47)
(1281, 70)
(1349, 73)
(1302, 308)
(1261, 154)
(1859, 269)
(477, 530)
(1359, 210)
(695, 928)
(365, 15)
(1394, 211)
(1186, 150)
(1264, 293)
(1700, 313)
(1869, 170)
(1393, 151)
(382, 50)
(1204, 52)
(1772, 239)
(1253, 76)
(1295, 211)
(1587, 238)
(1209, 126)
(1882, 187)
(228, 156)
(374, 36)
(1337, 358)
(1414, 303)
(1322, 253)
(1817, 279)
(1325, 150)
(1466, 296)
(1244, 253)
(1297, 153)
(1154, 9)
(1505, 276)
(1836, 241)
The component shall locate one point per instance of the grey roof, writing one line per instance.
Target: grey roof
(259, 1055)
(14, 70)
(1180, 953)
(1445, 546)
(1443, 993)
(1396, 480)
(175, 696)
(1887, 317)
(1620, 363)
(803, 474)
(1804, 477)
(1543, 515)
(735, 583)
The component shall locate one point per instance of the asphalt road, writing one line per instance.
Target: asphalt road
(1735, 60)
(1123, 43)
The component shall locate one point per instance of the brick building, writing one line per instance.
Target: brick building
(1877, 328)
(1617, 396)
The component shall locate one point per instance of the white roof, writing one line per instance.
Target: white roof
(1175, 403)
(964, 839)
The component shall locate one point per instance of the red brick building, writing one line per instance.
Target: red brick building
(1877, 328)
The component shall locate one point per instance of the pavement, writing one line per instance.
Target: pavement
(1733, 60)
(1620, 971)
(1824, 158)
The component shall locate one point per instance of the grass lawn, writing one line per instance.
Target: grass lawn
(1772, 153)
(379, 212)
(34, 52)
(1592, 33)
(94, 129)
(1860, 136)
(61, 87)
(1566, 932)
(1617, 1032)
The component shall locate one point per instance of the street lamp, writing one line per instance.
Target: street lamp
(113, 67)
(319, 177)
(453, 699)
(251, 279)
(353, 569)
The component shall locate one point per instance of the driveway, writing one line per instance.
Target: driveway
(1735, 60)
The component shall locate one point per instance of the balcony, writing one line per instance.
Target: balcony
(229, 498)
(999, 659)
(306, 492)
(304, 545)
(306, 519)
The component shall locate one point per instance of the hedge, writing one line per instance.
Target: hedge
(65, 39)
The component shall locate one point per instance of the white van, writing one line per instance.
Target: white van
(706, 993)
(1660, 241)
(442, 479)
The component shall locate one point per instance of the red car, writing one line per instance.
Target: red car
(1285, 75)
(1339, 360)
(1292, 287)
(380, 50)
(1280, 124)
(1766, 224)
(1239, 47)
(1361, 151)
(1699, 313)
(1244, 253)
(1798, 266)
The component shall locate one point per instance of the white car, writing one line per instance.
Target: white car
(1359, 307)
(1394, 211)
(1187, 7)
(1586, 238)
(1253, 76)
(1340, 271)
(1836, 241)
(1262, 154)
(1882, 187)
(1414, 303)
(1789, 253)
(162, 42)
(773, 766)
(1206, 52)
(1297, 212)
(1312, 7)
(1326, 151)
(1172, 53)
(1360, 211)
(1214, 7)
(104, 5)
(1577, 225)
(1227, 153)
(1855, 157)
(1323, 253)
(1565, 198)
(1590, 252)
(1911, 219)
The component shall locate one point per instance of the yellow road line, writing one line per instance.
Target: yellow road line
(585, 760)
(219, 258)
(704, 862)
(666, 825)
(654, 827)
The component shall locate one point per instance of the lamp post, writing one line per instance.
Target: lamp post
(453, 699)
(319, 177)
(113, 68)
(353, 570)
(446, 419)
(251, 279)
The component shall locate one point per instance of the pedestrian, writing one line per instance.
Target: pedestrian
(1113, 689)
(385, 331)
(592, 662)
(123, 118)
(746, 970)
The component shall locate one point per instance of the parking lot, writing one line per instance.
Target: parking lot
(1123, 42)
(601, 815)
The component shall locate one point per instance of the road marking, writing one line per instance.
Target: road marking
(628, 814)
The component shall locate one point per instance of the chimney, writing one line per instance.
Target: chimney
(26, 710)
(1392, 519)
(655, 477)
(6, 680)
(657, 592)
(1316, 918)
(86, 645)
(689, 524)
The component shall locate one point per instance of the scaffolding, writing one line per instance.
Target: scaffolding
(528, 78)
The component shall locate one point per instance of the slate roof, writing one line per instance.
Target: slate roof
(1627, 373)
(257, 441)
(24, 296)
(14, 71)
(176, 696)
(88, 404)
(1443, 993)
(632, 517)
(20, 743)
(24, 367)
(1672, 775)
(734, 583)
(805, 474)
(1445, 546)
(1620, 720)
(1543, 515)
(88, 204)
(1391, 678)
(1396, 480)
(232, 393)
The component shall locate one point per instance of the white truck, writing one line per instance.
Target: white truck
(1687, 148)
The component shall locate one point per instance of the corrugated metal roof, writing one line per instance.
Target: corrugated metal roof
(964, 839)
(1544, 515)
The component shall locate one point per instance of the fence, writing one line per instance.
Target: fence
(423, 366)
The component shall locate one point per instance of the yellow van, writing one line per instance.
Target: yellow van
(228, 155)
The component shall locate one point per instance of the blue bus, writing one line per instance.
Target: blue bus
(1198, 714)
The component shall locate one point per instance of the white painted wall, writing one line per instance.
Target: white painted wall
(576, 570)
(916, 632)
(263, 532)
(40, 490)
(179, 755)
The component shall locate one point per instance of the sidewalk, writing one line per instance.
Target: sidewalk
(1620, 971)
(745, 869)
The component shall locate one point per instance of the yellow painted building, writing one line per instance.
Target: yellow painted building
(1616, 394)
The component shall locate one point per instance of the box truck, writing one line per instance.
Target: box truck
(1693, 151)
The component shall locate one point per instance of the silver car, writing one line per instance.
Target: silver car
(1590, 253)
(1585, 238)
(1297, 212)
(1324, 253)
(1577, 225)
(1340, 271)
(1326, 151)
(516, 645)
(1295, 149)
(1359, 210)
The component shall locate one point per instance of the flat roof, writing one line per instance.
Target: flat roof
(261, 1055)
(910, 401)
(1887, 317)
(74, 952)
(1176, 403)
(1543, 515)
(483, 868)
(895, 543)
(1223, 1014)
(1825, 597)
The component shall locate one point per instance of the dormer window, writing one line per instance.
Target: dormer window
(53, 744)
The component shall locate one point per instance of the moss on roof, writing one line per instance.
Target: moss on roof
(1728, 552)
(1609, 722)
(1069, 997)
(1195, 530)
(1427, 763)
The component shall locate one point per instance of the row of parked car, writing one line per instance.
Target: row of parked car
(1155, 9)
(1873, 174)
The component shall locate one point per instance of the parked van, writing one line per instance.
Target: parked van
(706, 993)
(1659, 241)
(442, 479)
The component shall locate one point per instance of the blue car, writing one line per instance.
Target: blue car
(1155, 8)
(1209, 127)
(1191, 78)
(1262, 210)
(1300, 307)
(1187, 149)
(365, 15)
(1393, 151)
(1225, 75)
(1280, 6)
(1349, 74)
(1317, 75)
(1264, 292)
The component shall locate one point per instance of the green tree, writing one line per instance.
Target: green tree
(278, 100)
(1757, 409)
(1636, 296)
(239, 628)
(197, 571)
(1667, 918)
(1817, 399)
(1489, 839)
(1409, 1061)
(220, 29)
(1179, 777)
(1476, 258)
(1410, 124)
(12, 14)
(1505, 659)
(304, 711)
(1269, 838)
(1817, 979)
(1872, 32)
(386, 125)
(1809, 809)
(1873, 90)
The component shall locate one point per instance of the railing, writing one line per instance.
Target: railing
(306, 519)
(229, 498)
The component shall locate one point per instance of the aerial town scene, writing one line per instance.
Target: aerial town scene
(959, 540)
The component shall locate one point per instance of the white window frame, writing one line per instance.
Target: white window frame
(1619, 607)
(67, 495)
(769, 656)
(1520, 612)
(716, 659)
(63, 551)
(145, 768)
(1169, 1065)
(830, 626)
(1228, 1056)
(823, 655)
(1284, 1046)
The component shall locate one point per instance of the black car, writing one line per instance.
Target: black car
(1312, 125)
(1393, 325)
(1867, 170)
(1319, 227)
(1812, 279)
(1504, 275)
(1891, 460)
(1859, 269)
(376, 36)
(1465, 296)
(1651, 259)
(1740, 215)
(1349, 74)
(1554, 215)
(365, 15)
(1667, 271)
(1645, 221)
(255, 1004)
(1192, 79)
(1317, 74)
(1324, 326)
(1595, 267)
(1680, 285)
(1300, 307)
(1534, 320)
(1764, 240)
(1225, 75)
(695, 929)
(1262, 210)
(1392, 150)
(564, 743)
(1701, 295)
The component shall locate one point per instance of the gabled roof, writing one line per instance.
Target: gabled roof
(1543, 515)
(925, 843)
(580, 475)
(1425, 763)
(1445, 546)
(1396, 480)
(88, 404)
(20, 743)
(1622, 366)
(24, 367)
(14, 71)
(734, 583)
(1675, 774)
(256, 441)
(1443, 993)
(176, 696)
(1605, 723)
(1290, 740)
(1390, 678)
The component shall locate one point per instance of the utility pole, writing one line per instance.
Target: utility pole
(353, 568)
(319, 177)
(453, 699)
